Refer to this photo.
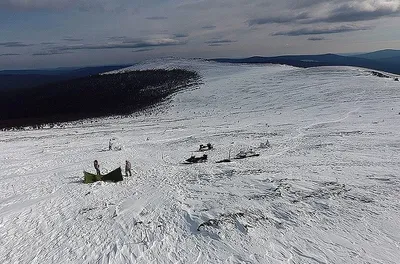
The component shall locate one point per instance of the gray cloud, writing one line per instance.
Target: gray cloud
(220, 41)
(305, 3)
(182, 35)
(51, 52)
(70, 39)
(9, 54)
(332, 11)
(126, 44)
(118, 38)
(316, 38)
(209, 27)
(157, 18)
(125, 39)
(34, 4)
(60, 5)
(319, 30)
(152, 31)
(278, 19)
(143, 50)
(204, 5)
(201, 23)
(216, 45)
(14, 44)
(361, 11)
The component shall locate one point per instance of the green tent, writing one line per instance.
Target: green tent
(114, 176)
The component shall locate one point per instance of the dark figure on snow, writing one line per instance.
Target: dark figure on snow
(97, 167)
(128, 167)
(110, 145)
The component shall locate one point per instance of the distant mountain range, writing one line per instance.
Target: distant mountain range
(384, 60)
(16, 79)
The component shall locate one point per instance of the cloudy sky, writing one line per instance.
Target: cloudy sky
(58, 33)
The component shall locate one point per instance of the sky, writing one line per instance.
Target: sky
(65, 33)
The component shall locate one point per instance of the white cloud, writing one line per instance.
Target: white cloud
(345, 11)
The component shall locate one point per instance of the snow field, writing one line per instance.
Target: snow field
(325, 192)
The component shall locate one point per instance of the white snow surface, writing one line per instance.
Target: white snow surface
(326, 191)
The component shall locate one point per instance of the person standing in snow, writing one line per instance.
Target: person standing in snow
(128, 167)
(97, 167)
(110, 145)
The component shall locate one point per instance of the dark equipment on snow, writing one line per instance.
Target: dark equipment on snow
(114, 176)
(194, 159)
(246, 154)
(205, 147)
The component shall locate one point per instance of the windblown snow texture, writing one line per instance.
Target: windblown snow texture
(326, 191)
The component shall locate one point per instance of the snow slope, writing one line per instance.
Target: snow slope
(327, 191)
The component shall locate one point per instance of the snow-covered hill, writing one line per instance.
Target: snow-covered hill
(326, 191)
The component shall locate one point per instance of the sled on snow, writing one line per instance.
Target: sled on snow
(223, 160)
(114, 176)
(194, 159)
(246, 154)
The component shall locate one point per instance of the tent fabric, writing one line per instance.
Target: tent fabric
(90, 177)
(114, 176)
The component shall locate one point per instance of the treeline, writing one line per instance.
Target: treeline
(306, 61)
(93, 96)
(17, 79)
